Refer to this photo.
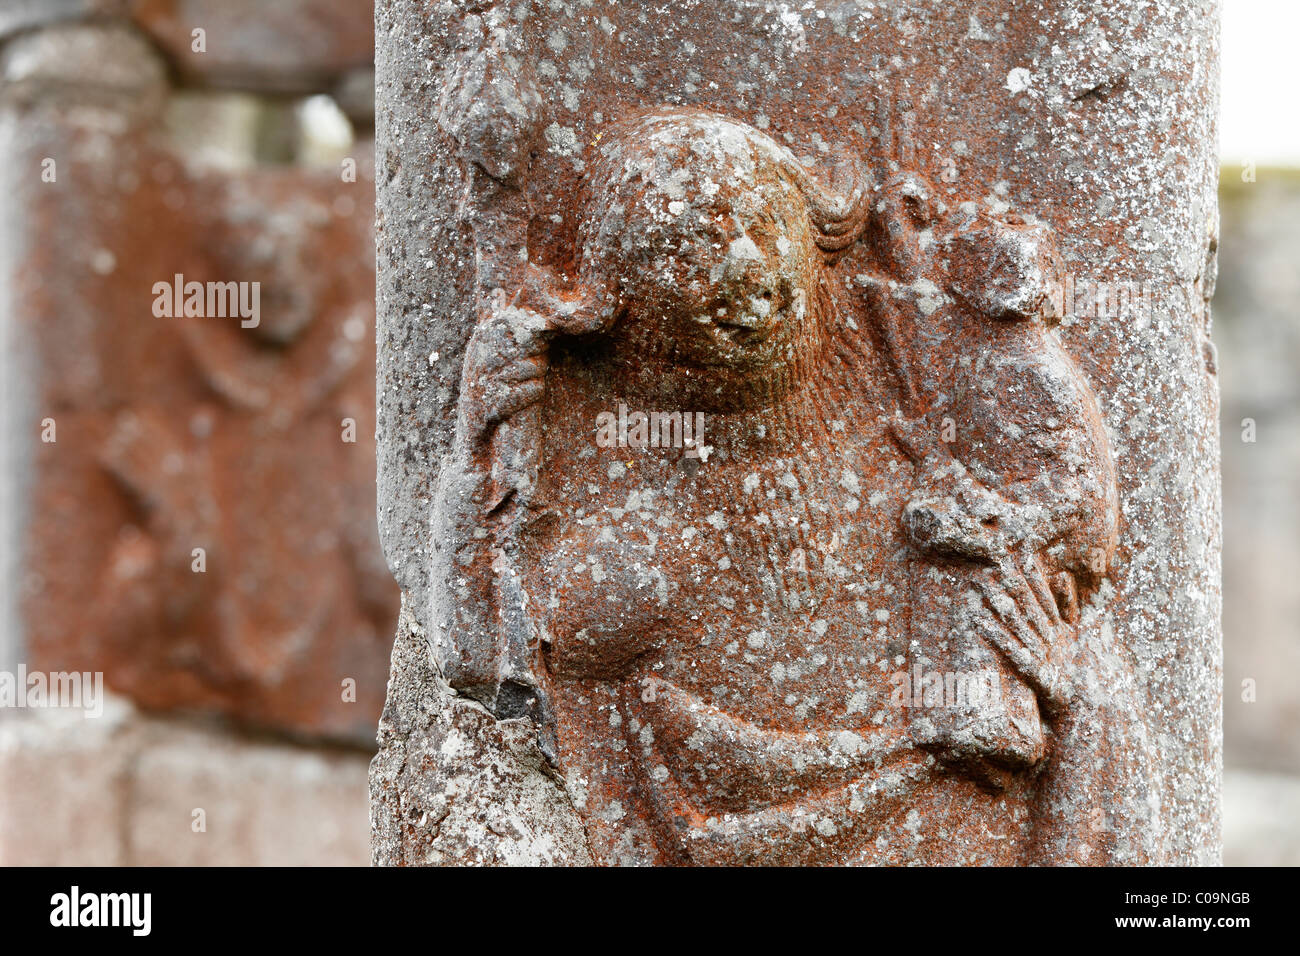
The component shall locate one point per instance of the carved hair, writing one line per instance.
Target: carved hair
(838, 220)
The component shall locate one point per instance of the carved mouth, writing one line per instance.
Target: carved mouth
(738, 335)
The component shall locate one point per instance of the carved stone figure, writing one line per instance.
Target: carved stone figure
(210, 545)
(709, 609)
(864, 615)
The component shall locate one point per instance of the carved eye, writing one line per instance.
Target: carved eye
(918, 206)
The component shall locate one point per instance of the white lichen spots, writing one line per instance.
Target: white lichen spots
(454, 745)
(974, 31)
(742, 250)
(849, 743)
(612, 813)
(616, 471)
(913, 823)
(858, 703)
(751, 483)
(561, 139)
(792, 29)
(1019, 80)
(929, 297)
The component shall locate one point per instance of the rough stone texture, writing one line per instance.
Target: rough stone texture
(836, 231)
(452, 785)
(1258, 331)
(121, 790)
(182, 433)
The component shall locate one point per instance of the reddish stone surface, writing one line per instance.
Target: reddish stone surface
(841, 234)
(184, 433)
(195, 433)
(288, 45)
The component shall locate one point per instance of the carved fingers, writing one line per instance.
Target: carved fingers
(1017, 594)
(504, 372)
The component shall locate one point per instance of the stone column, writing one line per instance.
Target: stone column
(798, 432)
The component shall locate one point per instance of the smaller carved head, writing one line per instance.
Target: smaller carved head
(902, 215)
(1005, 268)
(709, 241)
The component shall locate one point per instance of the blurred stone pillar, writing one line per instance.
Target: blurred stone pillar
(186, 500)
(1093, 118)
(77, 103)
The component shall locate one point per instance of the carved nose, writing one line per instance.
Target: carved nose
(744, 259)
(754, 315)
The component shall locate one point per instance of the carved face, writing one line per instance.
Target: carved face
(706, 235)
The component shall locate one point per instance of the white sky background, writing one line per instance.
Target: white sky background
(1260, 119)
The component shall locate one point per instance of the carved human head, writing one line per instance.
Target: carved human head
(709, 241)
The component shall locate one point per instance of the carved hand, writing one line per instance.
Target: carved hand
(505, 365)
(1031, 631)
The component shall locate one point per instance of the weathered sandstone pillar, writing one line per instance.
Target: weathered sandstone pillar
(798, 432)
